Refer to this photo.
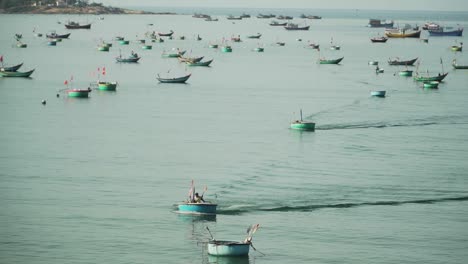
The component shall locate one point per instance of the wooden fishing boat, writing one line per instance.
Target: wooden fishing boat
(302, 125)
(259, 49)
(166, 34)
(431, 84)
(107, 86)
(228, 248)
(439, 78)
(173, 54)
(190, 59)
(257, 36)
(373, 63)
(213, 46)
(199, 63)
(400, 62)
(21, 45)
(277, 24)
(379, 39)
(54, 35)
(333, 61)
(182, 79)
(197, 208)
(402, 33)
(378, 93)
(15, 73)
(147, 47)
(226, 49)
(380, 23)
(292, 26)
(79, 93)
(458, 67)
(11, 68)
(445, 31)
(406, 73)
(124, 42)
(131, 59)
(75, 25)
(230, 17)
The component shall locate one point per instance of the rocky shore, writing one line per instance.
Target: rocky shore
(75, 10)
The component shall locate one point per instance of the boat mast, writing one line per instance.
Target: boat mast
(301, 114)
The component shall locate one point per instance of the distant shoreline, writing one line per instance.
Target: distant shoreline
(97, 10)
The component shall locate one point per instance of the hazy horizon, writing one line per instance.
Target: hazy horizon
(429, 5)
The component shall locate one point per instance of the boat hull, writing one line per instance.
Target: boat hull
(437, 78)
(15, 73)
(226, 49)
(79, 93)
(337, 61)
(441, 33)
(378, 93)
(174, 80)
(301, 125)
(392, 34)
(128, 60)
(87, 26)
(406, 73)
(12, 68)
(197, 208)
(103, 48)
(403, 63)
(431, 85)
(228, 248)
(107, 86)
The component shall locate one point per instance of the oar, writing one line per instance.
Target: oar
(209, 233)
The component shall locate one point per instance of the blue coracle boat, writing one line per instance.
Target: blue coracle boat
(228, 248)
(197, 208)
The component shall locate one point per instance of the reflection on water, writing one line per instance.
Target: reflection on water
(189, 218)
(227, 260)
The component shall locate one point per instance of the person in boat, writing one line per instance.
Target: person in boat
(198, 198)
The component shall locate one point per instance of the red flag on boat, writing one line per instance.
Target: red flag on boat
(103, 72)
(1, 58)
(65, 82)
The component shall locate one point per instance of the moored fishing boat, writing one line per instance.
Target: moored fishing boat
(259, 49)
(147, 47)
(256, 36)
(79, 93)
(190, 59)
(431, 84)
(15, 73)
(173, 54)
(277, 24)
(406, 73)
(397, 61)
(182, 79)
(226, 49)
(228, 248)
(133, 58)
(302, 125)
(107, 86)
(457, 66)
(439, 77)
(332, 61)
(213, 46)
(457, 47)
(11, 68)
(379, 39)
(373, 63)
(292, 26)
(199, 63)
(445, 31)
(166, 34)
(76, 25)
(103, 48)
(54, 35)
(380, 23)
(124, 42)
(21, 45)
(378, 93)
(402, 33)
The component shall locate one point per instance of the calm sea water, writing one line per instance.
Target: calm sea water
(95, 180)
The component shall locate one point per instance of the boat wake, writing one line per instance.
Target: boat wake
(435, 120)
(313, 207)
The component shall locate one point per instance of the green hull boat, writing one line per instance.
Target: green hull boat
(226, 49)
(199, 63)
(107, 86)
(432, 85)
(259, 49)
(124, 42)
(147, 47)
(79, 93)
(336, 61)
(459, 67)
(103, 48)
(406, 73)
(15, 73)
(302, 125)
(437, 78)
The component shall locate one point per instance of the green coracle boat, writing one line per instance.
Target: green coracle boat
(432, 85)
(124, 42)
(406, 73)
(147, 47)
(107, 86)
(226, 49)
(437, 78)
(79, 93)
(302, 125)
(336, 61)
(103, 48)
(15, 73)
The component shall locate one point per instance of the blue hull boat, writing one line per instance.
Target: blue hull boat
(446, 32)
(197, 208)
(228, 248)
